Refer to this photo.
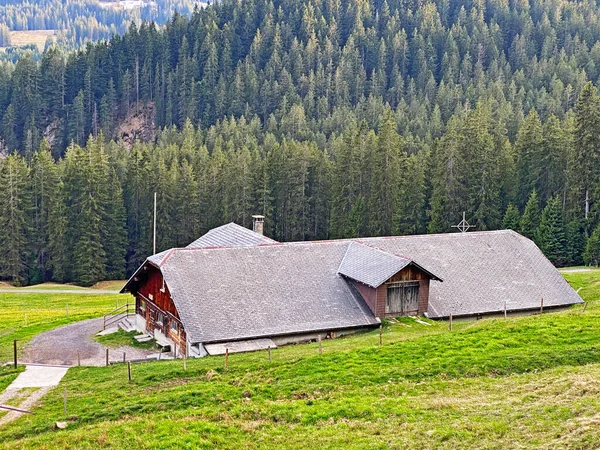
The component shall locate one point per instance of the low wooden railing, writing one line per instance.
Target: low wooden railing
(118, 314)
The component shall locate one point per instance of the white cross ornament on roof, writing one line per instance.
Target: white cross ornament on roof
(463, 226)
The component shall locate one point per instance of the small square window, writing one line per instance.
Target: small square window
(174, 327)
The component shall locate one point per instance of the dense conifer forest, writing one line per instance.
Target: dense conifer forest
(333, 118)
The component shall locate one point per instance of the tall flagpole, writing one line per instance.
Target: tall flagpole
(154, 237)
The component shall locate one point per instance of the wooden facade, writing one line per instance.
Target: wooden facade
(154, 303)
(409, 277)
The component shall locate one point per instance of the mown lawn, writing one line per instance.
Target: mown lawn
(529, 382)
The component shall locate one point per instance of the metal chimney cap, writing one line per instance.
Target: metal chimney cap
(258, 216)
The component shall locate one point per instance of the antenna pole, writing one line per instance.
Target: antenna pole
(154, 235)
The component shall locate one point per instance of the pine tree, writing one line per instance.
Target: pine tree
(551, 236)
(530, 220)
(511, 219)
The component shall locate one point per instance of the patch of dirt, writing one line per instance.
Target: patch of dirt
(63, 346)
(27, 404)
(138, 125)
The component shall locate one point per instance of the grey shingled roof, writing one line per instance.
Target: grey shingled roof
(369, 265)
(248, 292)
(230, 235)
(227, 294)
(482, 270)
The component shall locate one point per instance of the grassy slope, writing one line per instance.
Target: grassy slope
(530, 382)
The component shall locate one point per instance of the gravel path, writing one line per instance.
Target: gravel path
(60, 346)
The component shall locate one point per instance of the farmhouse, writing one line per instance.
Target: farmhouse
(237, 289)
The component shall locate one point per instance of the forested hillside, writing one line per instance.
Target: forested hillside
(76, 22)
(332, 118)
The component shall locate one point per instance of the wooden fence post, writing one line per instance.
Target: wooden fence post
(450, 323)
(184, 362)
(542, 306)
(269, 350)
(15, 352)
(584, 306)
(320, 346)
(107, 357)
(505, 310)
(124, 357)
(129, 370)
(78, 358)
(65, 402)
(226, 358)
(380, 334)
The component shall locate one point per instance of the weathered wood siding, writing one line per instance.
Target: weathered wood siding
(158, 300)
(376, 298)
(153, 289)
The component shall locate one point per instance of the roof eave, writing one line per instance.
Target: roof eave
(131, 279)
(291, 333)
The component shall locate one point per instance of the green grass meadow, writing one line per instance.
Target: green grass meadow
(24, 315)
(528, 382)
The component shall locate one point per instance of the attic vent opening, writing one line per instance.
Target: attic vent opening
(258, 224)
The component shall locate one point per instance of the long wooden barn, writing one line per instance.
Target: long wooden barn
(235, 288)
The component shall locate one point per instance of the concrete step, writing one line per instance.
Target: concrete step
(143, 338)
(162, 342)
(126, 325)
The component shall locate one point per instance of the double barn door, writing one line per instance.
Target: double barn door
(402, 298)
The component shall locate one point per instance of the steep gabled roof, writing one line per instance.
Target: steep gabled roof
(370, 265)
(226, 294)
(230, 235)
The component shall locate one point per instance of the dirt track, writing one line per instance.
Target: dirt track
(60, 346)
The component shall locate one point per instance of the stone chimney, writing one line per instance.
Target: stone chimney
(258, 224)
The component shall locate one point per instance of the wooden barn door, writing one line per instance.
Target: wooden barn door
(402, 298)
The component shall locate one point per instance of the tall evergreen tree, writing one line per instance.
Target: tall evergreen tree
(530, 220)
(551, 236)
(511, 219)
(14, 226)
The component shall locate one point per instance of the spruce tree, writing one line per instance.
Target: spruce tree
(551, 237)
(512, 218)
(530, 220)
(14, 225)
(44, 185)
(592, 249)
